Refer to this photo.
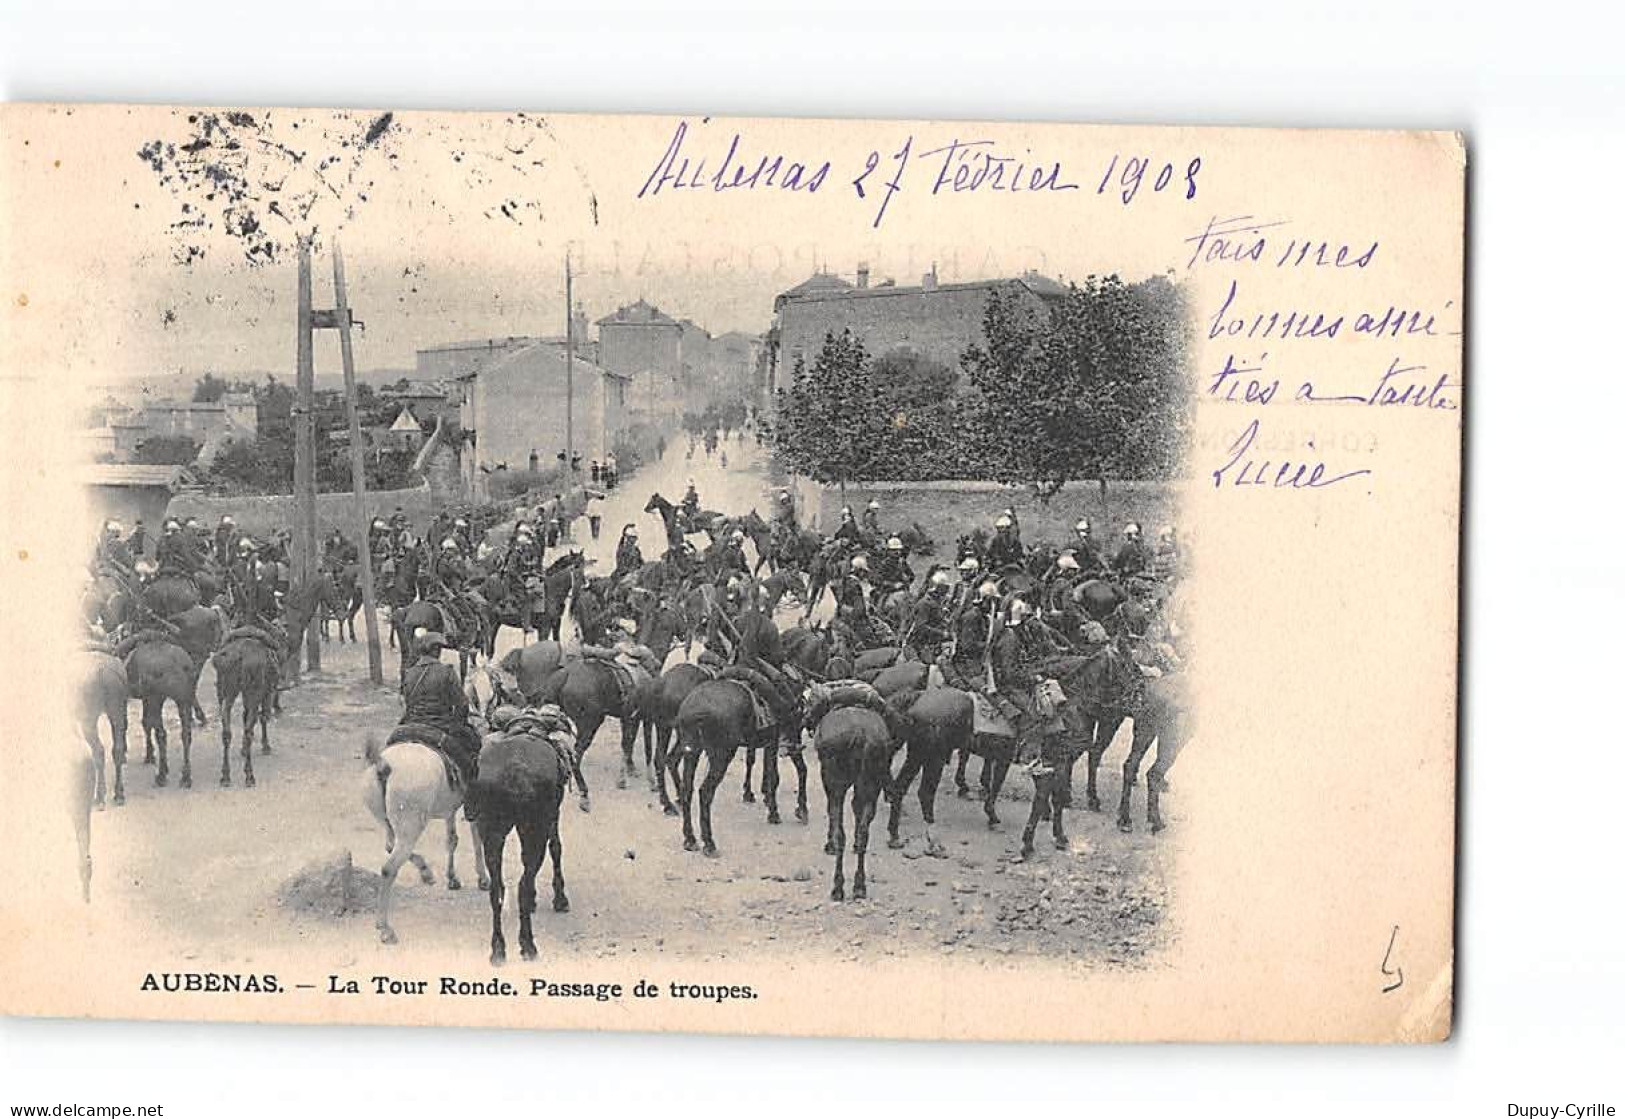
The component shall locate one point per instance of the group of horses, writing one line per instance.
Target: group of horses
(695, 712)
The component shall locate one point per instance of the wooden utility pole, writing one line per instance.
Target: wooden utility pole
(569, 377)
(358, 471)
(304, 453)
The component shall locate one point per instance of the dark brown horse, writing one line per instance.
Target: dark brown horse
(159, 671)
(520, 787)
(1159, 717)
(244, 667)
(199, 632)
(104, 692)
(589, 692)
(660, 721)
(714, 720)
(938, 721)
(854, 753)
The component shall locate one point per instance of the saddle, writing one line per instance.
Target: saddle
(989, 719)
(254, 633)
(435, 739)
(629, 675)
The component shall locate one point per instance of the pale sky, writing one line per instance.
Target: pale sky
(430, 259)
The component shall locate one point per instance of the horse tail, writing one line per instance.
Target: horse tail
(374, 755)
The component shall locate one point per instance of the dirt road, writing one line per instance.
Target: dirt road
(224, 871)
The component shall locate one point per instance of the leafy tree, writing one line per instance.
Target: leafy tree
(1098, 391)
(829, 420)
(166, 450)
(209, 389)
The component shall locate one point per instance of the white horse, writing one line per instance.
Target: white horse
(405, 787)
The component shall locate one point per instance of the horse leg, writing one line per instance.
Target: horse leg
(716, 768)
(770, 779)
(118, 717)
(405, 828)
(648, 728)
(750, 767)
(961, 787)
(254, 711)
(91, 733)
(152, 720)
(690, 762)
(629, 741)
(995, 766)
(1168, 745)
(589, 730)
(1105, 730)
(555, 848)
(798, 760)
(930, 777)
(452, 881)
(150, 736)
(663, 761)
(495, 838)
(837, 837)
(864, 802)
(1059, 796)
(896, 793)
(532, 850)
(186, 741)
(227, 700)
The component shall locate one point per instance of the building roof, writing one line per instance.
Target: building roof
(423, 390)
(406, 421)
(129, 474)
(818, 287)
(546, 349)
(641, 313)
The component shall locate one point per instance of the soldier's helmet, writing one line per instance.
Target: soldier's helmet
(846, 512)
(378, 522)
(1004, 521)
(989, 589)
(171, 526)
(860, 563)
(627, 626)
(630, 532)
(448, 545)
(873, 504)
(1019, 610)
(227, 520)
(245, 545)
(1082, 527)
(145, 569)
(970, 563)
(1131, 530)
(895, 544)
(1166, 532)
(460, 522)
(738, 535)
(113, 528)
(1067, 562)
(940, 578)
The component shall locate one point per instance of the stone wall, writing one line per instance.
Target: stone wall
(947, 510)
(260, 514)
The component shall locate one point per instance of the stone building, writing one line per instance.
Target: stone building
(642, 342)
(931, 319)
(513, 407)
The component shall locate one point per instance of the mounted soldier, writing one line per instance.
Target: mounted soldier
(113, 554)
(848, 532)
(892, 572)
(1165, 561)
(690, 505)
(225, 540)
(628, 556)
(338, 552)
(1019, 649)
(522, 569)
(963, 592)
(435, 699)
(871, 523)
(179, 552)
(730, 558)
(929, 622)
(1133, 559)
(966, 667)
(784, 512)
(1091, 560)
(1005, 549)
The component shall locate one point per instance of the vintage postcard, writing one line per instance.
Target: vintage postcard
(923, 579)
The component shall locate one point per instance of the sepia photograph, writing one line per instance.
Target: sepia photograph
(521, 564)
